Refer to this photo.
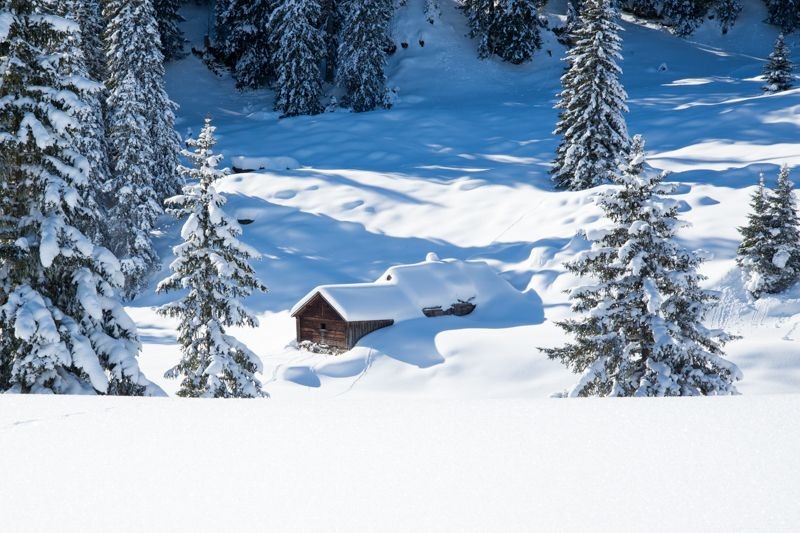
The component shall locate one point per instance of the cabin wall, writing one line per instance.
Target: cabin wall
(357, 330)
(334, 334)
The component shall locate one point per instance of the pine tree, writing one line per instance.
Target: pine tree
(639, 331)
(169, 18)
(756, 250)
(62, 328)
(784, 13)
(90, 19)
(514, 31)
(644, 8)
(594, 135)
(362, 61)
(92, 140)
(778, 70)
(480, 14)
(684, 15)
(332, 15)
(300, 47)
(142, 143)
(132, 50)
(726, 13)
(213, 265)
(769, 254)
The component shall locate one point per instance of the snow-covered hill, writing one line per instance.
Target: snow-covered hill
(459, 167)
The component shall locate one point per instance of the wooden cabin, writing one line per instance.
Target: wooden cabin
(319, 322)
(339, 316)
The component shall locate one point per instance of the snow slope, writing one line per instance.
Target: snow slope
(132, 465)
(459, 167)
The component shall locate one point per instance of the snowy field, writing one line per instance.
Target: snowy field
(120, 464)
(445, 424)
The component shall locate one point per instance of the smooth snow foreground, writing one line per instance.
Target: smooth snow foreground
(121, 464)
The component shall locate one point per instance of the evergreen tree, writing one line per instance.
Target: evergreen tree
(480, 14)
(331, 19)
(169, 18)
(756, 250)
(254, 66)
(90, 19)
(92, 140)
(362, 59)
(514, 31)
(213, 265)
(784, 13)
(644, 8)
(684, 15)
(143, 144)
(778, 70)
(769, 254)
(232, 29)
(62, 328)
(726, 13)
(594, 135)
(640, 329)
(300, 47)
(132, 50)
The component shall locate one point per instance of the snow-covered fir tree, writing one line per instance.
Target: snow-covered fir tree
(299, 50)
(778, 70)
(769, 254)
(331, 18)
(514, 32)
(508, 29)
(433, 11)
(132, 50)
(756, 250)
(594, 134)
(684, 16)
(362, 60)
(212, 265)
(480, 14)
(62, 327)
(91, 142)
(784, 13)
(89, 16)
(142, 143)
(639, 329)
(644, 8)
(248, 42)
(726, 12)
(169, 19)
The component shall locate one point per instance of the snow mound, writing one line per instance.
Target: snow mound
(403, 291)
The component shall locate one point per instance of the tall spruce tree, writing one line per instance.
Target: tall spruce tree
(213, 265)
(755, 253)
(640, 331)
(89, 16)
(726, 13)
(769, 254)
(362, 60)
(778, 70)
(169, 19)
(784, 13)
(684, 16)
(514, 32)
(300, 48)
(591, 123)
(62, 327)
(143, 144)
(132, 50)
(480, 14)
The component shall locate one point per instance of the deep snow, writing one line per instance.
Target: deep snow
(459, 167)
(133, 465)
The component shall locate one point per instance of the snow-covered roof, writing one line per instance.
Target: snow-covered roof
(404, 290)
